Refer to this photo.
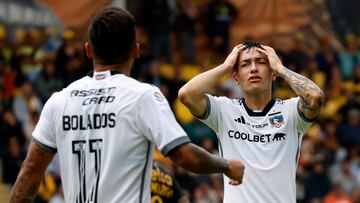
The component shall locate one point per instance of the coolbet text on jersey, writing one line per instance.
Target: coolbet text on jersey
(267, 142)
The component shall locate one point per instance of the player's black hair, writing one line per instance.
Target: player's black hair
(248, 44)
(112, 35)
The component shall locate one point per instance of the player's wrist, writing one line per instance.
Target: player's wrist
(279, 69)
(227, 167)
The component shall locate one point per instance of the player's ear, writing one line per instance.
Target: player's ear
(235, 77)
(136, 51)
(88, 50)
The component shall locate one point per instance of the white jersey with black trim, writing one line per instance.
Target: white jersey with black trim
(103, 128)
(267, 142)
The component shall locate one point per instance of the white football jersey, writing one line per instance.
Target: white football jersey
(103, 128)
(267, 142)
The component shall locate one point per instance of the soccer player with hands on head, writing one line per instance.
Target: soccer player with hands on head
(263, 132)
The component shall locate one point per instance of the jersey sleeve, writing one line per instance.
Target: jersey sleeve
(212, 112)
(301, 124)
(157, 122)
(44, 133)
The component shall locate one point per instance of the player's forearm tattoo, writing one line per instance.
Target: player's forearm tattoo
(28, 182)
(24, 191)
(304, 88)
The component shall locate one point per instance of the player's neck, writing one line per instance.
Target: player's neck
(257, 101)
(122, 68)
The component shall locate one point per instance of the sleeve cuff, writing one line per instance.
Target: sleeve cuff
(44, 146)
(302, 116)
(207, 109)
(175, 143)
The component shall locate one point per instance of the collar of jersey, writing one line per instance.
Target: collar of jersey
(112, 72)
(263, 112)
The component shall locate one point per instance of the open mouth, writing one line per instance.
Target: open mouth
(255, 78)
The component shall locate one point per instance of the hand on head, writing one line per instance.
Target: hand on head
(274, 61)
(231, 59)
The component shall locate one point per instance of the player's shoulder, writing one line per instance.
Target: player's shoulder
(130, 84)
(289, 101)
(140, 87)
(224, 99)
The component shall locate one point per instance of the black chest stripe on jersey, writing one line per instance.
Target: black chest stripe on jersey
(263, 112)
(271, 114)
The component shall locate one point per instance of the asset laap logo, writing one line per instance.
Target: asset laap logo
(277, 121)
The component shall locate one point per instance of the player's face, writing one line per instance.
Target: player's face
(254, 74)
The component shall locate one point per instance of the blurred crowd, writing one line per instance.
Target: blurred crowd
(178, 44)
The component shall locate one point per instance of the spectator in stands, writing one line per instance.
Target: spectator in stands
(10, 127)
(70, 61)
(349, 57)
(326, 56)
(337, 195)
(345, 179)
(164, 187)
(185, 29)
(349, 131)
(220, 14)
(317, 184)
(12, 160)
(158, 24)
(26, 102)
(29, 126)
(48, 81)
(313, 73)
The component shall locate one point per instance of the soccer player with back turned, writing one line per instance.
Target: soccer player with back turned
(265, 133)
(104, 127)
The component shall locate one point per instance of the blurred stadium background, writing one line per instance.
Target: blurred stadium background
(41, 51)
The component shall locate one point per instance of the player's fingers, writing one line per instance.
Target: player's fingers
(267, 48)
(262, 51)
(234, 182)
(241, 46)
(238, 48)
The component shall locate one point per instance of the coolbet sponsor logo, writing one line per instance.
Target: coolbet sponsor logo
(256, 138)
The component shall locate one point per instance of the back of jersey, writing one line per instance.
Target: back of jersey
(93, 125)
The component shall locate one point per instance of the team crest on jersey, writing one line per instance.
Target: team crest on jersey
(277, 121)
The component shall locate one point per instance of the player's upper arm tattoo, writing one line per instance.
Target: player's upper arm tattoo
(311, 96)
